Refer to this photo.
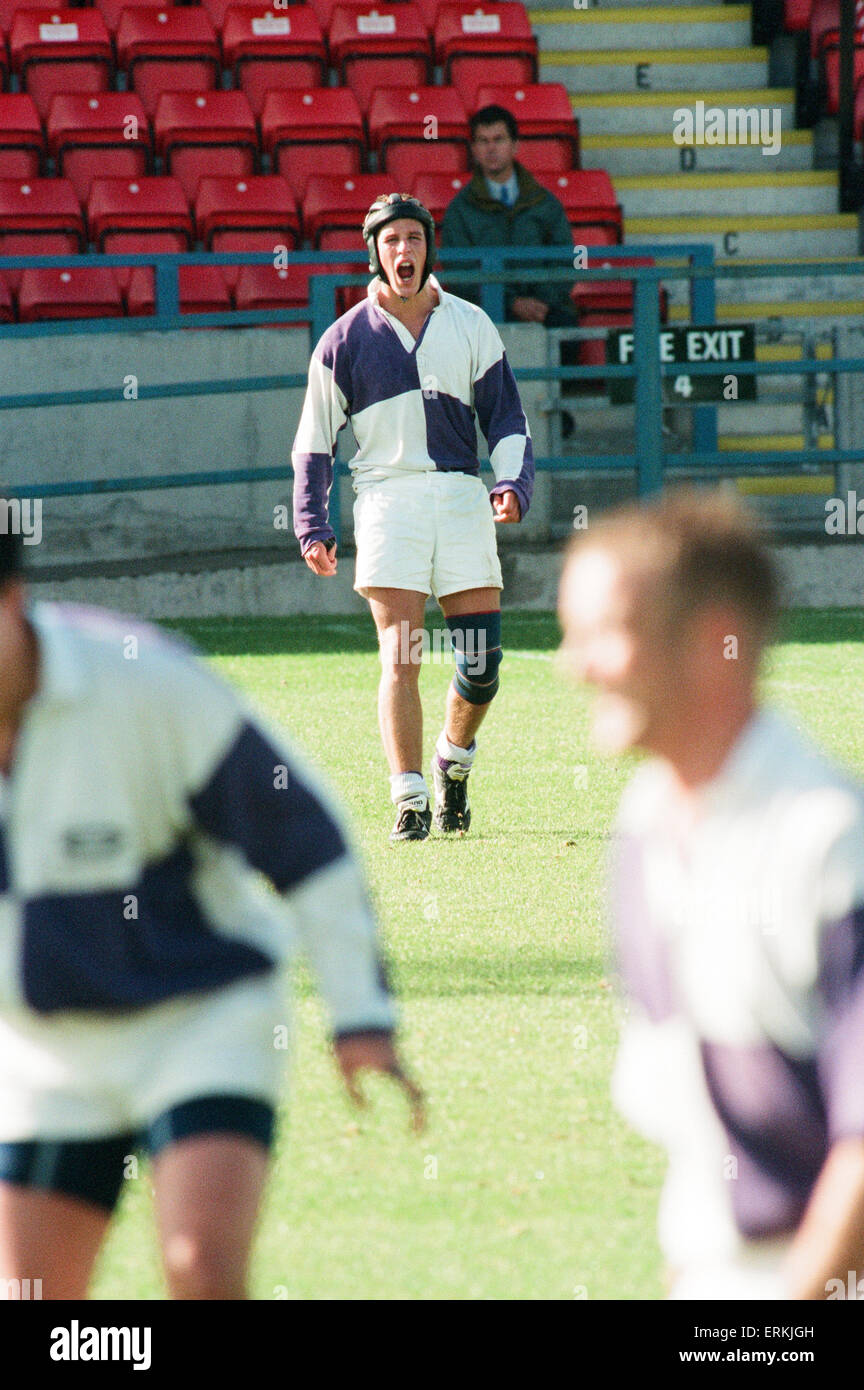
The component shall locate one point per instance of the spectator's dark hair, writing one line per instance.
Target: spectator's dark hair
(490, 115)
(11, 544)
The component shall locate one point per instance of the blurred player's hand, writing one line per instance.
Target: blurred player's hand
(375, 1052)
(529, 309)
(506, 506)
(320, 559)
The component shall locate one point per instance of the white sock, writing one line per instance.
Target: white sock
(452, 753)
(406, 786)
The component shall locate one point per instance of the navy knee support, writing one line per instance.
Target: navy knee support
(476, 639)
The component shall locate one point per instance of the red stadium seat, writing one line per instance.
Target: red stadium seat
(81, 292)
(548, 130)
(254, 214)
(170, 50)
(437, 191)
(831, 69)
(7, 308)
(796, 15)
(859, 111)
(98, 136)
(9, 8)
(21, 143)
(111, 10)
(38, 217)
(588, 199)
(304, 132)
(607, 304)
(264, 287)
(217, 9)
(480, 44)
(66, 51)
(825, 24)
(41, 207)
(379, 46)
(274, 50)
(202, 291)
(205, 133)
(399, 130)
(333, 204)
(120, 209)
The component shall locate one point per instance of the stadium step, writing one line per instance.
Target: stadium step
(641, 26)
(768, 194)
(748, 235)
(668, 69)
(783, 443)
(769, 417)
(622, 155)
(653, 113)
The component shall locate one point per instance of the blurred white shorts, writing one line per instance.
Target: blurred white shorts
(433, 532)
(87, 1075)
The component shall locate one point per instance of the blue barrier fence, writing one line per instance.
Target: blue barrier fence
(494, 268)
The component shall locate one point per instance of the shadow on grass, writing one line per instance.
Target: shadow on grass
(537, 632)
(454, 976)
(334, 634)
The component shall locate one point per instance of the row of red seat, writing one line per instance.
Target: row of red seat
(94, 292)
(111, 10)
(258, 213)
(54, 50)
(821, 19)
(300, 132)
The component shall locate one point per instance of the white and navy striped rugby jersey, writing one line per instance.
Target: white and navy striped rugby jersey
(740, 939)
(412, 405)
(143, 805)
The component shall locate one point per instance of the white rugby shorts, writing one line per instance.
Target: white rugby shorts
(89, 1075)
(433, 532)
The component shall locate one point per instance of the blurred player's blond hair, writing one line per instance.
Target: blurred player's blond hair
(688, 550)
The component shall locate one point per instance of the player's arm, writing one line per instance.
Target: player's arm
(251, 793)
(325, 411)
(830, 1239)
(503, 422)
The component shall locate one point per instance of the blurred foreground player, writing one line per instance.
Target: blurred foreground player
(139, 992)
(412, 367)
(738, 902)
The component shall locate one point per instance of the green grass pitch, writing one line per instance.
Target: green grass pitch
(526, 1185)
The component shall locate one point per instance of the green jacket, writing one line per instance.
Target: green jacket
(474, 218)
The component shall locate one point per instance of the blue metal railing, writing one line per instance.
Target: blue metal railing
(494, 268)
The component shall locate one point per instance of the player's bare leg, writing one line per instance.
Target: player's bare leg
(454, 754)
(398, 617)
(50, 1237)
(208, 1191)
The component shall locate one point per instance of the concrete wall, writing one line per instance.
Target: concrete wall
(142, 437)
(823, 576)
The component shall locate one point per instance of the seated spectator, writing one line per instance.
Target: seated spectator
(504, 205)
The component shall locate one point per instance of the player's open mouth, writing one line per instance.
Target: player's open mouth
(405, 271)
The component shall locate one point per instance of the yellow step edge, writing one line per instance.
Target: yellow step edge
(776, 308)
(745, 222)
(790, 178)
(788, 260)
(757, 442)
(641, 14)
(791, 352)
(631, 56)
(820, 484)
(661, 142)
(755, 96)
